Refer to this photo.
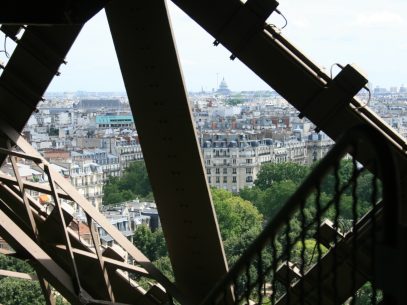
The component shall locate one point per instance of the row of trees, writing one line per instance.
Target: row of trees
(240, 217)
(275, 183)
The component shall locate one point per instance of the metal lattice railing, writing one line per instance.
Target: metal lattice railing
(79, 268)
(321, 246)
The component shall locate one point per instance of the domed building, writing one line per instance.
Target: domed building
(223, 88)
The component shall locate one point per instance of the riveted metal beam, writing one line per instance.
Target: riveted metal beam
(47, 13)
(121, 240)
(30, 69)
(40, 260)
(46, 289)
(39, 187)
(18, 275)
(149, 64)
(101, 260)
(293, 75)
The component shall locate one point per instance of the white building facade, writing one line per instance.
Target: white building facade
(232, 162)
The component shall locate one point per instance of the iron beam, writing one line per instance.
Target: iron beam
(39, 187)
(45, 287)
(46, 13)
(88, 208)
(30, 69)
(18, 275)
(295, 77)
(41, 261)
(101, 260)
(11, 152)
(149, 64)
(111, 263)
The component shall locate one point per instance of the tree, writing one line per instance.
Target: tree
(235, 245)
(152, 244)
(235, 215)
(17, 291)
(117, 197)
(276, 172)
(239, 222)
(134, 183)
(136, 179)
(164, 265)
(233, 101)
(14, 264)
(253, 194)
(344, 173)
(20, 292)
(274, 197)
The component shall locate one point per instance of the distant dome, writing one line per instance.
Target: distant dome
(223, 88)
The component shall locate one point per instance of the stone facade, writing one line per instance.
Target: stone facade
(86, 176)
(232, 162)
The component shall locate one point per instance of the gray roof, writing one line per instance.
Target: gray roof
(97, 104)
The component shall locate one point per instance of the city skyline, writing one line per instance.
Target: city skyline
(359, 38)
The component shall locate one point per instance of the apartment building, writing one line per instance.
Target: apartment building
(86, 176)
(232, 161)
(108, 162)
(128, 149)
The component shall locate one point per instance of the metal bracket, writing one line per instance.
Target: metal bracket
(339, 92)
(244, 24)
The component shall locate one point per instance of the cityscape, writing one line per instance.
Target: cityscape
(91, 136)
(129, 177)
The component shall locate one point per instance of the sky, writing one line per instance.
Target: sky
(369, 33)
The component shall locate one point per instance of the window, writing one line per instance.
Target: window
(225, 179)
(217, 171)
(209, 180)
(234, 171)
(208, 162)
(217, 180)
(249, 179)
(234, 179)
(249, 161)
(225, 170)
(208, 171)
(249, 170)
(224, 161)
(234, 161)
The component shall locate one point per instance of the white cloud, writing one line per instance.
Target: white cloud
(375, 19)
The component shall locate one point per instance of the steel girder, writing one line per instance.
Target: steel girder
(149, 64)
(326, 102)
(18, 275)
(91, 275)
(50, 13)
(31, 68)
(329, 103)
